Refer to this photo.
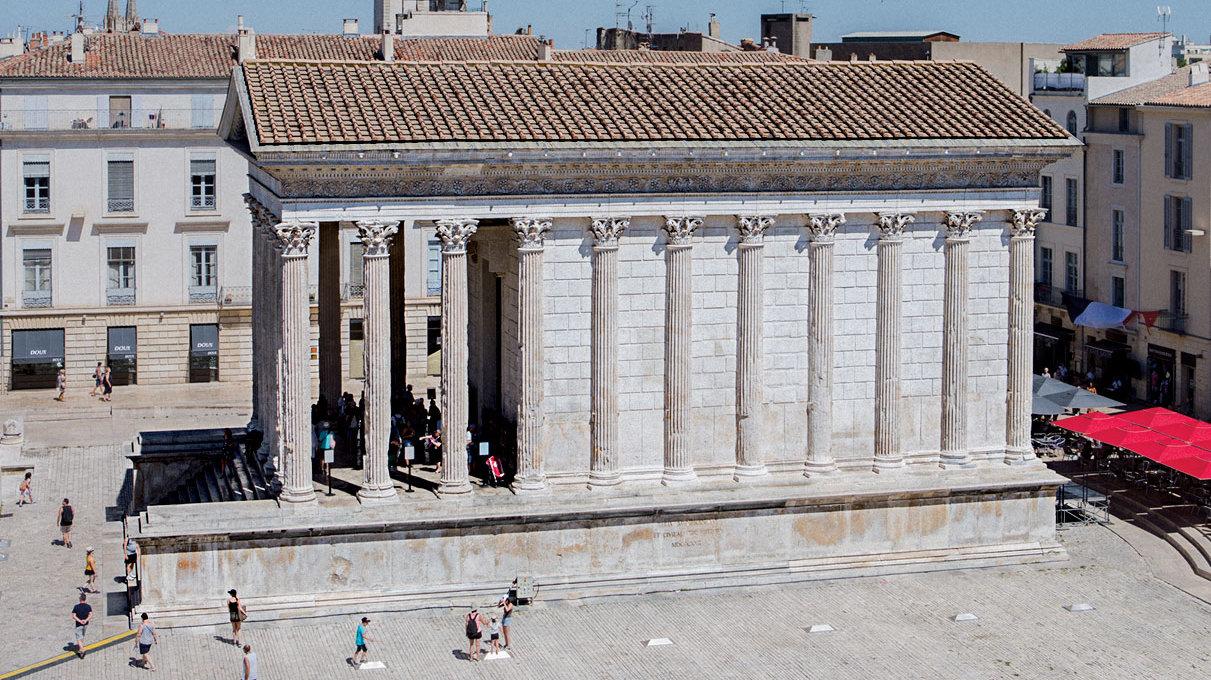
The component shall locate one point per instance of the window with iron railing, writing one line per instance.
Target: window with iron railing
(202, 184)
(120, 288)
(1117, 169)
(204, 273)
(120, 197)
(36, 291)
(36, 180)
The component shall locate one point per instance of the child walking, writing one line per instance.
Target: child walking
(361, 641)
(494, 639)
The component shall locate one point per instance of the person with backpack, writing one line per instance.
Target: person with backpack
(65, 519)
(475, 632)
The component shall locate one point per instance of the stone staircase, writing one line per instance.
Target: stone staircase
(214, 481)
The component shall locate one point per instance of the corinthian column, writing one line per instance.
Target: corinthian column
(376, 299)
(530, 233)
(888, 455)
(823, 230)
(678, 348)
(603, 421)
(1021, 331)
(259, 217)
(750, 380)
(954, 451)
(294, 239)
(454, 235)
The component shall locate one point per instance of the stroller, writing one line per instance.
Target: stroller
(496, 472)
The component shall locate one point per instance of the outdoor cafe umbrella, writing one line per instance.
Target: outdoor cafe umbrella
(1043, 406)
(1194, 431)
(1156, 418)
(1129, 435)
(1044, 387)
(1090, 423)
(1077, 398)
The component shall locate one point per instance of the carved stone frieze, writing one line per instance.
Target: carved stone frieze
(752, 228)
(607, 230)
(823, 227)
(531, 231)
(680, 229)
(455, 233)
(376, 236)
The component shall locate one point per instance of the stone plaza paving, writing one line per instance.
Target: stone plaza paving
(889, 627)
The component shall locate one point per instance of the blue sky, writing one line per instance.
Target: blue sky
(566, 20)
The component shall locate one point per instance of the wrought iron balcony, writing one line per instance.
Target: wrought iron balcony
(235, 296)
(36, 299)
(353, 291)
(1174, 323)
(203, 294)
(118, 297)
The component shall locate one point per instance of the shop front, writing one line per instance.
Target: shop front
(1052, 347)
(203, 353)
(37, 358)
(122, 348)
(1162, 371)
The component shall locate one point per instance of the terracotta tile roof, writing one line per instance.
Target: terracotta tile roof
(1198, 96)
(1134, 96)
(1112, 41)
(410, 102)
(658, 57)
(115, 55)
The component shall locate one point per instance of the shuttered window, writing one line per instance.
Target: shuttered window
(121, 185)
(36, 183)
(1178, 214)
(202, 184)
(1179, 151)
(35, 113)
(433, 272)
(203, 111)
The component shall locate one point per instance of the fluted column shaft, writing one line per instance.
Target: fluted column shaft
(678, 348)
(954, 452)
(331, 378)
(376, 236)
(822, 229)
(531, 477)
(295, 238)
(454, 235)
(257, 325)
(604, 468)
(888, 455)
(1021, 335)
(750, 375)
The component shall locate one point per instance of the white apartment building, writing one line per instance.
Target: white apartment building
(1092, 68)
(126, 239)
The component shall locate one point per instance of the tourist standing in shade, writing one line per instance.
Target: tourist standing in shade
(146, 637)
(81, 614)
(236, 613)
(250, 665)
(66, 516)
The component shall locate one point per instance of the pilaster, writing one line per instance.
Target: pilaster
(954, 452)
(750, 379)
(888, 455)
(823, 229)
(604, 469)
(1018, 449)
(678, 348)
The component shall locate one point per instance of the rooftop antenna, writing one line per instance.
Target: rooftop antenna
(1162, 14)
(79, 17)
(649, 16)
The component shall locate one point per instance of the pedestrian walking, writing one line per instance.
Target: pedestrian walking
(26, 490)
(506, 620)
(250, 670)
(61, 384)
(81, 614)
(90, 571)
(494, 636)
(132, 558)
(66, 516)
(237, 613)
(475, 632)
(107, 385)
(145, 637)
(98, 373)
(327, 446)
(360, 640)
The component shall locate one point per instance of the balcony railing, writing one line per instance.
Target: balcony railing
(203, 294)
(1059, 82)
(120, 297)
(36, 299)
(1052, 295)
(92, 119)
(235, 296)
(1174, 323)
(353, 291)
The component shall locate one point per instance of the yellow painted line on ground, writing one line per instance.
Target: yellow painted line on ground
(67, 656)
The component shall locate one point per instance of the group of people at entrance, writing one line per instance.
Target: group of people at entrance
(476, 623)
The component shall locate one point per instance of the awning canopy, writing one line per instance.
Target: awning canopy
(1051, 331)
(122, 342)
(1106, 347)
(1171, 439)
(37, 346)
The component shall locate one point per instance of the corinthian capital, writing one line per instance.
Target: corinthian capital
(293, 239)
(607, 230)
(263, 218)
(454, 234)
(960, 224)
(752, 228)
(376, 236)
(680, 230)
(1025, 220)
(531, 231)
(892, 225)
(823, 226)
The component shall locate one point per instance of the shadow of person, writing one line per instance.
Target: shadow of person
(461, 654)
(224, 640)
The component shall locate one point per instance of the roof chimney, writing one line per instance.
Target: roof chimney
(853, 57)
(151, 26)
(350, 28)
(245, 41)
(77, 48)
(545, 49)
(824, 54)
(1198, 73)
(712, 29)
(388, 49)
(873, 57)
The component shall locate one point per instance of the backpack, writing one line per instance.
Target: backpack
(472, 626)
(67, 517)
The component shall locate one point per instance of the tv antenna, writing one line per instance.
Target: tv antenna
(619, 13)
(1162, 15)
(79, 17)
(649, 17)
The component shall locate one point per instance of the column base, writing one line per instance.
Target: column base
(955, 462)
(745, 473)
(298, 495)
(604, 480)
(822, 468)
(253, 423)
(377, 496)
(678, 477)
(889, 465)
(462, 488)
(530, 487)
(1020, 457)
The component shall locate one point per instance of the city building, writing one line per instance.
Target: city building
(125, 235)
(737, 345)
(417, 18)
(1092, 68)
(1190, 52)
(1148, 192)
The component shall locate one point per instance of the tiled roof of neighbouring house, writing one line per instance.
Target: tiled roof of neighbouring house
(366, 103)
(1198, 96)
(1145, 92)
(118, 55)
(1112, 41)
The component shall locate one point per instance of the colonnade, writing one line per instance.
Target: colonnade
(281, 347)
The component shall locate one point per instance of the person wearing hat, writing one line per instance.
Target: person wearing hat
(236, 613)
(361, 641)
(90, 571)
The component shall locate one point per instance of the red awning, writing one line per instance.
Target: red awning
(1171, 439)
